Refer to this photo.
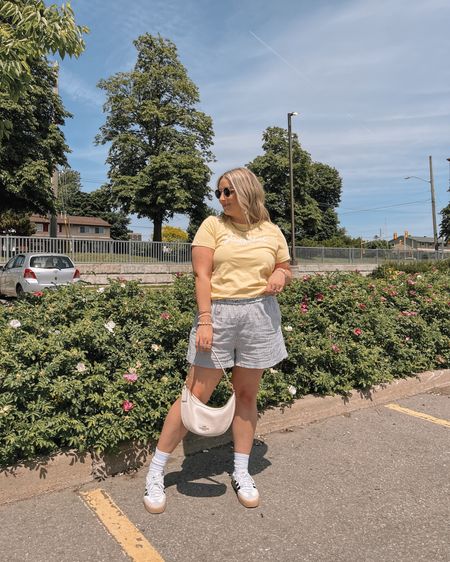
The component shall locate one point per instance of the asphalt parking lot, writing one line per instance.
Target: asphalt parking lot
(373, 485)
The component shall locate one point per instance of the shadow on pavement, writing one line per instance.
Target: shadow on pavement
(210, 463)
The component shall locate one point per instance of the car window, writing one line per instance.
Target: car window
(18, 262)
(10, 263)
(50, 262)
(64, 263)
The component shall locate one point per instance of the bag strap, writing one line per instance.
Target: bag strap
(227, 377)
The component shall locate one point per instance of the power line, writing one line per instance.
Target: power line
(385, 207)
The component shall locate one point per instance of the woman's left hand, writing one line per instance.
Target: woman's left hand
(276, 283)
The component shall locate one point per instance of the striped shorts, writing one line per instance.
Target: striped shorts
(246, 333)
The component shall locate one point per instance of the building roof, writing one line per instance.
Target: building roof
(72, 219)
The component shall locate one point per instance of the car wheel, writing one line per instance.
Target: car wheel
(19, 291)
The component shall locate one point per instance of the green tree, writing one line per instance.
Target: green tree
(160, 142)
(29, 31)
(445, 224)
(35, 146)
(317, 187)
(70, 198)
(18, 224)
(101, 203)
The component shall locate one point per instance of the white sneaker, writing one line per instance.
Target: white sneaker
(245, 488)
(155, 496)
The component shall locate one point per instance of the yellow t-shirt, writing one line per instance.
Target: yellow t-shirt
(243, 261)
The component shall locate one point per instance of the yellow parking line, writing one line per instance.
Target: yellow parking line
(133, 542)
(421, 415)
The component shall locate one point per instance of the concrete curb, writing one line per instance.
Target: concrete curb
(71, 469)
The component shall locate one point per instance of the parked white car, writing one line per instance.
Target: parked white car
(30, 273)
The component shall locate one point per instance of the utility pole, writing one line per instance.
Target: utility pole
(291, 182)
(433, 207)
(53, 230)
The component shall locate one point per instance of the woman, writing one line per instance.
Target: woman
(240, 262)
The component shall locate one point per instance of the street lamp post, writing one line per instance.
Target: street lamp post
(291, 182)
(433, 202)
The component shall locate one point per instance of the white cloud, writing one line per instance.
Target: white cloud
(78, 89)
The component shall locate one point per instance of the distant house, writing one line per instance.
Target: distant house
(136, 236)
(70, 226)
(425, 243)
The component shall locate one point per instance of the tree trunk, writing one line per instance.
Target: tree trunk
(157, 229)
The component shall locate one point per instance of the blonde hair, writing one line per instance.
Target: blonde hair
(250, 194)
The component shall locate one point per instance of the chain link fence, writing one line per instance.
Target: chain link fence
(83, 251)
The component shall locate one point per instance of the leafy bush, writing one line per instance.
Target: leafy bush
(411, 267)
(88, 369)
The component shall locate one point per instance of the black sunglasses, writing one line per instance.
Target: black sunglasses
(227, 192)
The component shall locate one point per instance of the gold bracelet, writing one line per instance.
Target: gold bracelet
(204, 324)
(203, 314)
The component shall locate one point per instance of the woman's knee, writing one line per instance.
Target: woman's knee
(246, 397)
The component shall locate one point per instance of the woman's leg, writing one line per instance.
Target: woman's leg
(202, 382)
(246, 385)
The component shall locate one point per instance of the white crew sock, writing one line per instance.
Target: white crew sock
(241, 462)
(159, 462)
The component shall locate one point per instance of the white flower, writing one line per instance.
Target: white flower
(288, 328)
(273, 371)
(155, 347)
(4, 411)
(292, 390)
(15, 324)
(110, 326)
(419, 277)
(101, 290)
(122, 285)
(81, 367)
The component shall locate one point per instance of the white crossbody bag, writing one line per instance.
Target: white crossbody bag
(206, 420)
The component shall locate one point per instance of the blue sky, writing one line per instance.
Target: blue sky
(369, 78)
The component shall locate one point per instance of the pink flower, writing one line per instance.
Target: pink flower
(357, 331)
(408, 313)
(411, 282)
(413, 293)
(178, 274)
(335, 348)
(38, 294)
(130, 377)
(306, 277)
(319, 297)
(303, 308)
(383, 299)
(333, 287)
(165, 316)
(127, 405)
(371, 286)
(393, 293)
(362, 306)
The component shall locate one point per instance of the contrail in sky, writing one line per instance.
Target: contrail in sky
(301, 74)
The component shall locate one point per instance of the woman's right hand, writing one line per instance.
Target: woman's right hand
(204, 338)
